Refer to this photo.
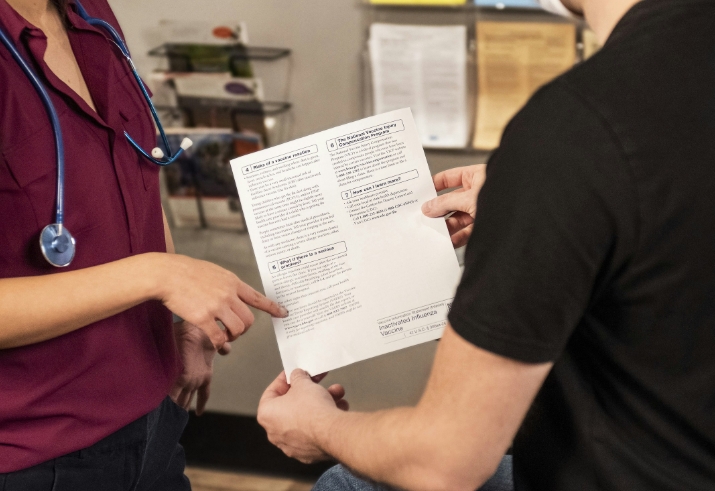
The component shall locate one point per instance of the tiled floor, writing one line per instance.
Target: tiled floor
(208, 480)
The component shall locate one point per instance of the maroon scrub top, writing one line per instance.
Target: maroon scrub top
(68, 393)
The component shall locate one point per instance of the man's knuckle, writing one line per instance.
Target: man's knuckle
(217, 338)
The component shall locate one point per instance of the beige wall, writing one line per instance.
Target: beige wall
(325, 35)
(327, 39)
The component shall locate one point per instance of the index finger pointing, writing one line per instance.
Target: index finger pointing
(261, 302)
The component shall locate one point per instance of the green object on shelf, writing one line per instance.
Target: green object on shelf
(206, 58)
(234, 58)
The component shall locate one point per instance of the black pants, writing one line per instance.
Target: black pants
(143, 456)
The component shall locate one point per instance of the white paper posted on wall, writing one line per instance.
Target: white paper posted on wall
(424, 68)
(337, 229)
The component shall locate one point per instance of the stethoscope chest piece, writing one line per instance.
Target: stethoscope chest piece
(57, 245)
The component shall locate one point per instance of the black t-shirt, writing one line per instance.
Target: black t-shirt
(594, 248)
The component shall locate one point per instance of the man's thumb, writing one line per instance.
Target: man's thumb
(298, 375)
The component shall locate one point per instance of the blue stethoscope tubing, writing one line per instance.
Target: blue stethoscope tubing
(57, 244)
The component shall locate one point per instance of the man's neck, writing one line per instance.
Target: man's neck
(603, 15)
(34, 11)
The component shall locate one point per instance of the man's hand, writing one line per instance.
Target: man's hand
(462, 202)
(197, 355)
(287, 412)
(454, 439)
(203, 293)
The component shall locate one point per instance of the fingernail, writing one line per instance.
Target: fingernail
(284, 312)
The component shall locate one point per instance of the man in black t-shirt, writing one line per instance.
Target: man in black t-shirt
(584, 327)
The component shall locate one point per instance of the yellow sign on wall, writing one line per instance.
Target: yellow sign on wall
(514, 59)
(419, 2)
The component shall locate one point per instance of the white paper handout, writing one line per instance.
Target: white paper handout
(424, 68)
(337, 229)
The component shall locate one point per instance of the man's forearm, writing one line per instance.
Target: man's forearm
(454, 439)
(402, 447)
(380, 445)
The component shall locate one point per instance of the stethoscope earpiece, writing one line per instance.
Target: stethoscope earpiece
(57, 245)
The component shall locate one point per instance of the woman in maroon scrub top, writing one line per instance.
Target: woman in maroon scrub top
(88, 354)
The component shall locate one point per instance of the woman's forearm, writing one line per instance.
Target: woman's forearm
(35, 309)
(167, 235)
(38, 308)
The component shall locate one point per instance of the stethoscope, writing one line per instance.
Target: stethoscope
(57, 244)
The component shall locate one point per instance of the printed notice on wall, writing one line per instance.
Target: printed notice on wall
(514, 59)
(337, 229)
(423, 68)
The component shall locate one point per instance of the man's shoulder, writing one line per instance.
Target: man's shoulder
(604, 77)
(560, 139)
(639, 76)
(559, 111)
